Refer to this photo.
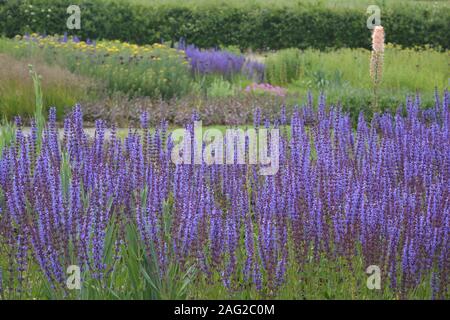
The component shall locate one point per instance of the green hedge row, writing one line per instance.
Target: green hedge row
(246, 26)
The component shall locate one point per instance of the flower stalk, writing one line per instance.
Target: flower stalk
(376, 62)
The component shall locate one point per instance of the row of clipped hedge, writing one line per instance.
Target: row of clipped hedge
(256, 27)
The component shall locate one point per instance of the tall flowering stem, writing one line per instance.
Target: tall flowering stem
(376, 62)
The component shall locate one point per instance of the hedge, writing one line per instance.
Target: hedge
(246, 26)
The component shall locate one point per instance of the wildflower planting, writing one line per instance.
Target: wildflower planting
(266, 88)
(224, 150)
(62, 88)
(156, 71)
(345, 76)
(376, 61)
(256, 24)
(139, 226)
(124, 71)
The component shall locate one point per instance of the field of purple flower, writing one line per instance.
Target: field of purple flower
(346, 197)
(139, 226)
(115, 81)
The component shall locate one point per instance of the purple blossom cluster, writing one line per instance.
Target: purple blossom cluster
(201, 61)
(379, 192)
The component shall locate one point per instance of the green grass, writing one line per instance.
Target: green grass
(154, 71)
(344, 75)
(404, 69)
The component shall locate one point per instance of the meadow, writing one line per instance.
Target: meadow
(271, 3)
(141, 227)
(178, 79)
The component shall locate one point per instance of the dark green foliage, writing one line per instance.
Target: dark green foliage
(246, 26)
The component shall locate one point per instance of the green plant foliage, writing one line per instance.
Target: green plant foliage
(156, 71)
(39, 107)
(220, 88)
(17, 93)
(7, 133)
(244, 24)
